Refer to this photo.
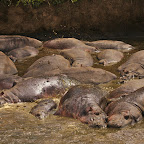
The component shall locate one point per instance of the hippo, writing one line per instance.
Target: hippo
(10, 42)
(127, 110)
(122, 91)
(23, 53)
(133, 67)
(68, 43)
(78, 57)
(89, 75)
(110, 57)
(110, 44)
(82, 102)
(6, 65)
(43, 108)
(7, 81)
(32, 89)
(47, 64)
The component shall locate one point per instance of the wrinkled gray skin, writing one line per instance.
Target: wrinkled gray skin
(10, 42)
(46, 65)
(78, 57)
(31, 89)
(110, 44)
(7, 81)
(110, 57)
(133, 67)
(68, 43)
(122, 91)
(43, 108)
(23, 53)
(81, 102)
(6, 65)
(128, 110)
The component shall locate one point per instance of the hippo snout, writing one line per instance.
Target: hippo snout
(118, 121)
(97, 121)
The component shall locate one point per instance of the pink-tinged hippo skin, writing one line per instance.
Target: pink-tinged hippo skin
(23, 53)
(110, 57)
(128, 110)
(122, 91)
(68, 43)
(47, 66)
(82, 102)
(8, 81)
(133, 67)
(78, 57)
(6, 65)
(32, 89)
(43, 108)
(110, 44)
(10, 42)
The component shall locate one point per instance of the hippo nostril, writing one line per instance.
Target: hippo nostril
(37, 115)
(96, 113)
(126, 117)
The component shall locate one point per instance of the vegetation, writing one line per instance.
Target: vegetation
(34, 3)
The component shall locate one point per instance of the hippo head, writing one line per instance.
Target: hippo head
(122, 118)
(95, 118)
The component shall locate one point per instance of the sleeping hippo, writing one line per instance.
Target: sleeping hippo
(68, 43)
(23, 53)
(10, 42)
(47, 66)
(82, 102)
(127, 110)
(31, 89)
(43, 108)
(122, 91)
(110, 57)
(78, 57)
(6, 65)
(110, 44)
(133, 67)
(7, 81)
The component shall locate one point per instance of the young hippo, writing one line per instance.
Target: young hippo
(82, 102)
(128, 110)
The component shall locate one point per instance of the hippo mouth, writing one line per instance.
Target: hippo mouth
(95, 121)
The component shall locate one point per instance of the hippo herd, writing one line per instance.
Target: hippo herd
(70, 77)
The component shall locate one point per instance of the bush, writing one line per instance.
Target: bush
(34, 3)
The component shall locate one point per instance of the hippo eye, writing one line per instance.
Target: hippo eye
(126, 117)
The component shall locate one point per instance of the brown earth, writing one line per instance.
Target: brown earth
(105, 16)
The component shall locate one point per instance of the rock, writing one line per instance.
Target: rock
(10, 42)
(110, 57)
(81, 102)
